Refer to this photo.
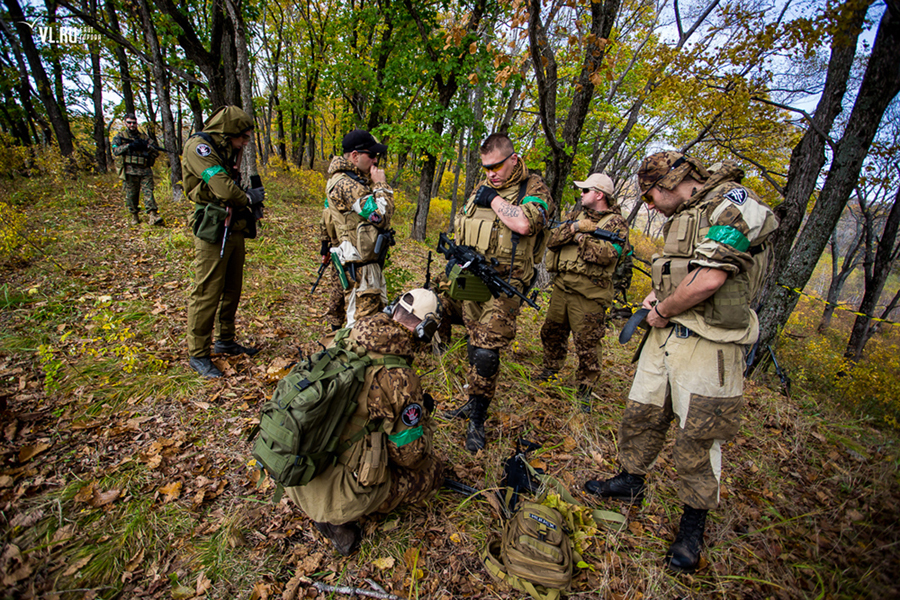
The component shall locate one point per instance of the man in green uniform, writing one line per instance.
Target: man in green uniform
(136, 156)
(504, 220)
(359, 208)
(211, 163)
(582, 288)
(395, 464)
(691, 367)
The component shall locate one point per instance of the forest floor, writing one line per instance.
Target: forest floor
(124, 475)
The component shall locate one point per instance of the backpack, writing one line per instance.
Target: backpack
(300, 428)
(535, 554)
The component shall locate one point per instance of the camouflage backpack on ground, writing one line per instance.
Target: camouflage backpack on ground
(300, 427)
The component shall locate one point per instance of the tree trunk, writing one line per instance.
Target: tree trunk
(24, 87)
(875, 281)
(473, 155)
(880, 84)
(58, 119)
(248, 162)
(456, 169)
(99, 127)
(121, 59)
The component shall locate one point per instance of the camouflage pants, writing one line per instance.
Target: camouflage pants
(135, 186)
(411, 486)
(587, 319)
(367, 294)
(452, 309)
(335, 313)
(216, 292)
(490, 325)
(697, 382)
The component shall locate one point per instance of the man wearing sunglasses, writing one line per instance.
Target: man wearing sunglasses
(136, 156)
(691, 365)
(503, 220)
(583, 286)
(358, 207)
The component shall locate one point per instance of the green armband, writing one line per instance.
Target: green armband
(618, 249)
(528, 199)
(368, 208)
(725, 234)
(210, 172)
(406, 437)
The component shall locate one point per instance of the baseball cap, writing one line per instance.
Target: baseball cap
(360, 140)
(598, 181)
(421, 303)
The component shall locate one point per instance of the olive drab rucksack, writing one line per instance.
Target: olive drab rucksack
(300, 428)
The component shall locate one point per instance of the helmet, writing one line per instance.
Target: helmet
(425, 306)
(668, 169)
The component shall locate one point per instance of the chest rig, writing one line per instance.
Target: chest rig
(350, 226)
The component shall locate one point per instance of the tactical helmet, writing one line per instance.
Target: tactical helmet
(425, 306)
(668, 169)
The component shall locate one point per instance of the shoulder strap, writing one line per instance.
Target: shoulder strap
(523, 188)
(612, 520)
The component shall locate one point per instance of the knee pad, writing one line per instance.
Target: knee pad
(486, 362)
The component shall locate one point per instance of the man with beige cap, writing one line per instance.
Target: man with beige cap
(691, 367)
(584, 260)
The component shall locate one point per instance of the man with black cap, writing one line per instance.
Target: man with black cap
(691, 366)
(358, 208)
(211, 164)
(583, 287)
(136, 156)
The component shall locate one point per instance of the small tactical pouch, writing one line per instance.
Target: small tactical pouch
(466, 286)
(372, 468)
(209, 222)
(366, 237)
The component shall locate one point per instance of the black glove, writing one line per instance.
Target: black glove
(140, 145)
(428, 402)
(256, 196)
(484, 195)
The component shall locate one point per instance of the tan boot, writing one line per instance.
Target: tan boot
(135, 219)
(154, 218)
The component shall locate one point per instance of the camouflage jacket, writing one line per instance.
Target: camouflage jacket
(584, 263)
(131, 161)
(395, 397)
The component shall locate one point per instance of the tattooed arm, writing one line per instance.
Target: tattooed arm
(511, 215)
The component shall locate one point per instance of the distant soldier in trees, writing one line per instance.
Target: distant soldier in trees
(360, 204)
(222, 218)
(136, 157)
(584, 262)
(691, 367)
(503, 220)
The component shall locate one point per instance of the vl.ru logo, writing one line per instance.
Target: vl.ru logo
(64, 35)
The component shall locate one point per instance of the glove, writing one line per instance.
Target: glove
(256, 196)
(484, 195)
(428, 402)
(139, 144)
(586, 226)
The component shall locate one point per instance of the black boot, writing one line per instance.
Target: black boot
(233, 348)
(624, 486)
(684, 553)
(546, 376)
(460, 413)
(584, 397)
(204, 366)
(475, 437)
(345, 538)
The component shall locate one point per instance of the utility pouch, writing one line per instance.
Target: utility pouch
(466, 286)
(373, 462)
(209, 222)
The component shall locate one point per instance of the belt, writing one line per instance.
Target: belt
(683, 332)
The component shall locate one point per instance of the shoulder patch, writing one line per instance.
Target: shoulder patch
(204, 149)
(737, 195)
(411, 415)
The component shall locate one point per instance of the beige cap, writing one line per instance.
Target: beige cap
(421, 303)
(598, 181)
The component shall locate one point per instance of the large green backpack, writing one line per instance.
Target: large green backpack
(300, 428)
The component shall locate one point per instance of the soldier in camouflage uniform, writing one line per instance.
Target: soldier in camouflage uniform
(135, 158)
(359, 484)
(504, 220)
(211, 162)
(336, 312)
(359, 207)
(691, 367)
(583, 287)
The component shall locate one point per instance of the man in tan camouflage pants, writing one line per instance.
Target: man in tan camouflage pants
(584, 264)
(344, 492)
(503, 220)
(691, 366)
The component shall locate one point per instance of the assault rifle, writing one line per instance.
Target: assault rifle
(477, 265)
(324, 253)
(600, 234)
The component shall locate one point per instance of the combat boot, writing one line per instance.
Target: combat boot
(684, 553)
(584, 397)
(135, 219)
(546, 376)
(345, 538)
(233, 348)
(475, 437)
(204, 366)
(624, 486)
(462, 412)
(154, 218)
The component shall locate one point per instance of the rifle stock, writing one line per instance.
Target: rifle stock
(227, 230)
(319, 278)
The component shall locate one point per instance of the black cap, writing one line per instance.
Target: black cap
(130, 116)
(362, 140)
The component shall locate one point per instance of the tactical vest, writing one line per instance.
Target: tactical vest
(352, 227)
(590, 279)
(482, 230)
(729, 307)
